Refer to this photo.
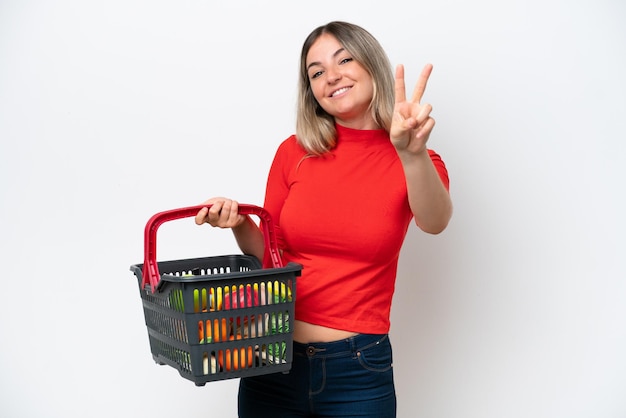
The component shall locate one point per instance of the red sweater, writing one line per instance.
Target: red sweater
(343, 217)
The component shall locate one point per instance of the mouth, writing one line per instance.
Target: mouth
(340, 91)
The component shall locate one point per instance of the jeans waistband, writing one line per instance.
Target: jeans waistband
(336, 348)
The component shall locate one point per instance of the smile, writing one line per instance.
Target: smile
(340, 91)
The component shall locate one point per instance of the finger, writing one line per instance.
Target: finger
(214, 213)
(201, 216)
(231, 212)
(399, 84)
(425, 130)
(420, 86)
(424, 113)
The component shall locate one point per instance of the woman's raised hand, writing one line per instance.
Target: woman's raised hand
(411, 124)
(224, 213)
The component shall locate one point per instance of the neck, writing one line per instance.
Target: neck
(364, 123)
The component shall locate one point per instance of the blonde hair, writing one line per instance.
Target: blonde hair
(315, 128)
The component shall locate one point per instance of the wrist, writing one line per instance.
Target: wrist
(408, 156)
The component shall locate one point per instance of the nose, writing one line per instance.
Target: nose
(333, 75)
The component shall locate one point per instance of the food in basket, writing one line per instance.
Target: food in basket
(255, 295)
(200, 300)
(236, 359)
(222, 333)
(278, 324)
(176, 300)
(284, 295)
(206, 362)
(245, 297)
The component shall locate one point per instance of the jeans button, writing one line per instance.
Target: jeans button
(310, 351)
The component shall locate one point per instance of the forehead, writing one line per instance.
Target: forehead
(323, 48)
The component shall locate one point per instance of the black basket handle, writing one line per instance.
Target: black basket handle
(150, 272)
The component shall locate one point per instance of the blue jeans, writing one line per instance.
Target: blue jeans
(346, 378)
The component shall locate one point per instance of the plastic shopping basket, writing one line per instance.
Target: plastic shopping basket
(220, 317)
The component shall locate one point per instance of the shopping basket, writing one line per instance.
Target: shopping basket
(221, 317)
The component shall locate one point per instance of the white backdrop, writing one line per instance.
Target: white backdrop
(113, 111)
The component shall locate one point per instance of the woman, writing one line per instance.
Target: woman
(343, 192)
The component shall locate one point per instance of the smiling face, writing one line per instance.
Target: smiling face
(341, 86)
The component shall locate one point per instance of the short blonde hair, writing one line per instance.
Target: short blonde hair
(315, 128)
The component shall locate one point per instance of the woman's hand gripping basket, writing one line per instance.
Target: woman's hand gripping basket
(220, 317)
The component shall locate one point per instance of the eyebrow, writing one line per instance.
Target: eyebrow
(337, 52)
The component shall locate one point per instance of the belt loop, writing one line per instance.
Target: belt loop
(353, 346)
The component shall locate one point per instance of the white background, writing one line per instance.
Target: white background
(112, 111)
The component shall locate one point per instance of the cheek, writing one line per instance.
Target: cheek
(318, 91)
(318, 95)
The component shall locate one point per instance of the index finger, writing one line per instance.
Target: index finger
(420, 86)
(399, 84)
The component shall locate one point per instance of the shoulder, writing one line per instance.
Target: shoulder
(291, 144)
(288, 155)
(290, 148)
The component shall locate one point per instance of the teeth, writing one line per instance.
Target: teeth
(340, 91)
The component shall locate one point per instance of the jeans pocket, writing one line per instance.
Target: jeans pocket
(376, 357)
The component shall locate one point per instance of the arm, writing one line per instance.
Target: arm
(428, 197)
(410, 129)
(225, 214)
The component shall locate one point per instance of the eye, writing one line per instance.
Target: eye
(315, 74)
(345, 60)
